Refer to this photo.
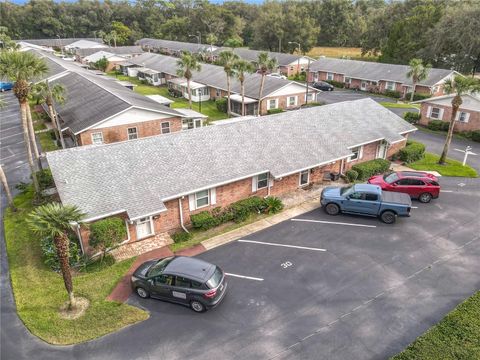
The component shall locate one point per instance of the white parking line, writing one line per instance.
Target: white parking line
(335, 223)
(282, 245)
(244, 277)
(446, 191)
(414, 207)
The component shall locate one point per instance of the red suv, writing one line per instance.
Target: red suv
(419, 185)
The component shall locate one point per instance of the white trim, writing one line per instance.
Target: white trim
(268, 181)
(330, 73)
(95, 218)
(268, 103)
(311, 167)
(102, 121)
(365, 143)
(300, 178)
(136, 133)
(406, 132)
(359, 154)
(207, 197)
(152, 229)
(169, 127)
(213, 196)
(96, 133)
(295, 97)
(149, 214)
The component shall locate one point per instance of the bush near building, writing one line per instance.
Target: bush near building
(412, 117)
(370, 168)
(414, 151)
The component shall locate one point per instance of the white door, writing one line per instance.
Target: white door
(382, 150)
(363, 85)
(144, 228)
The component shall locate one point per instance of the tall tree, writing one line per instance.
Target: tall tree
(186, 65)
(227, 59)
(22, 68)
(265, 64)
(417, 72)
(45, 93)
(4, 181)
(56, 220)
(242, 68)
(33, 140)
(459, 86)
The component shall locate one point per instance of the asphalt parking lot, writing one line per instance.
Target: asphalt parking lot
(340, 287)
(339, 95)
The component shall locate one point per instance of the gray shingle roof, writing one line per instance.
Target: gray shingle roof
(58, 42)
(376, 71)
(92, 99)
(138, 176)
(252, 55)
(120, 50)
(211, 75)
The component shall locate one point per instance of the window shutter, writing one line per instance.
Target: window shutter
(270, 179)
(213, 196)
(467, 116)
(457, 115)
(191, 202)
(440, 115)
(429, 111)
(254, 183)
(360, 155)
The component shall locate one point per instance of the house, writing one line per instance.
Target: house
(125, 51)
(210, 83)
(155, 184)
(113, 60)
(84, 44)
(60, 43)
(440, 108)
(289, 64)
(377, 77)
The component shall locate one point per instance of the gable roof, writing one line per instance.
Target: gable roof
(212, 75)
(376, 71)
(469, 101)
(58, 42)
(101, 54)
(132, 177)
(120, 50)
(92, 99)
(283, 59)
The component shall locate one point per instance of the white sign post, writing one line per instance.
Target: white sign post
(467, 152)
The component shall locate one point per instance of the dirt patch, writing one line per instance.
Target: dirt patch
(81, 305)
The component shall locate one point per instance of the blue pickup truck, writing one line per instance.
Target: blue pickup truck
(366, 199)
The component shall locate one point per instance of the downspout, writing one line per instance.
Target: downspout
(77, 228)
(269, 185)
(181, 214)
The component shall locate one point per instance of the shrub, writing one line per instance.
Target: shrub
(475, 135)
(45, 179)
(313, 103)
(417, 97)
(370, 168)
(412, 117)
(337, 84)
(107, 233)
(436, 125)
(273, 205)
(181, 236)
(204, 220)
(393, 94)
(274, 111)
(242, 209)
(412, 152)
(351, 175)
(221, 104)
(50, 252)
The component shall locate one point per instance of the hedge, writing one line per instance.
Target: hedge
(438, 125)
(475, 135)
(412, 117)
(412, 152)
(393, 94)
(370, 168)
(337, 84)
(274, 111)
(351, 175)
(49, 251)
(181, 236)
(238, 211)
(106, 233)
(417, 97)
(221, 104)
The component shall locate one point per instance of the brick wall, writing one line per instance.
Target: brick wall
(283, 101)
(119, 133)
(472, 124)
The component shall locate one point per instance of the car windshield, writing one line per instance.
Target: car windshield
(214, 281)
(390, 178)
(159, 266)
(346, 190)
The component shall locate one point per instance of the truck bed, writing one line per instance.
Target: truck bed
(396, 198)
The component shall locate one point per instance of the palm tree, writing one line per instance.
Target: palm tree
(242, 68)
(31, 135)
(265, 64)
(459, 86)
(22, 68)
(227, 59)
(3, 179)
(185, 67)
(43, 92)
(417, 72)
(55, 220)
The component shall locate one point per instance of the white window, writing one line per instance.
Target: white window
(144, 227)
(191, 124)
(218, 92)
(390, 85)
(262, 181)
(202, 199)
(198, 123)
(304, 177)
(357, 153)
(329, 76)
(309, 97)
(463, 116)
(363, 85)
(165, 127)
(292, 100)
(97, 138)
(348, 80)
(132, 133)
(272, 104)
(435, 113)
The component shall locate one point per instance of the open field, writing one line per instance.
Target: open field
(338, 52)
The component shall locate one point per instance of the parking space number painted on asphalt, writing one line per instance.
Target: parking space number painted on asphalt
(286, 264)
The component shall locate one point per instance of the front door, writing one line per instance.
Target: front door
(382, 150)
(363, 85)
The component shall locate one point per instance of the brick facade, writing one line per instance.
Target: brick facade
(282, 101)
(472, 124)
(119, 133)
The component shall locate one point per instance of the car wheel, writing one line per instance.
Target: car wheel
(425, 198)
(142, 292)
(197, 306)
(388, 217)
(332, 209)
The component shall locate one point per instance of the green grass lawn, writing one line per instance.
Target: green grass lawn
(399, 105)
(208, 107)
(39, 292)
(46, 141)
(457, 336)
(452, 168)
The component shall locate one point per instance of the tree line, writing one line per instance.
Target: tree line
(441, 32)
